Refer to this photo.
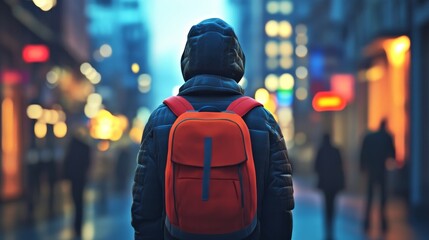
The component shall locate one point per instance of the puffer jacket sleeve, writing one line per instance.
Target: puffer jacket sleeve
(146, 209)
(278, 201)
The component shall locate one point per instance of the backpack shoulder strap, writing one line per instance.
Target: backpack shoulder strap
(243, 105)
(178, 105)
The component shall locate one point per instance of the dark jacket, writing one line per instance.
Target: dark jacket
(377, 147)
(273, 169)
(329, 168)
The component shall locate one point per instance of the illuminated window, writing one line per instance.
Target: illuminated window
(285, 29)
(272, 28)
(262, 95)
(271, 49)
(286, 48)
(286, 62)
(271, 82)
(286, 81)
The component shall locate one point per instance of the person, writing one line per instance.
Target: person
(76, 165)
(212, 64)
(377, 149)
(329, 169)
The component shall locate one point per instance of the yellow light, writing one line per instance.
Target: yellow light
(329, 101)
(85, 68)
(285, 29)
(34, 111)
(262, 95)
(286, 48)
(396, 49)
(123, 122)
(105, 50)
(60, 129)
(45, 5)
(286, 81)
(271, 104)
(116, 135)
(375, 73)
(272, 28)
(91, 110)
(271, 82)
(301, 93)
(102, 125)
(136, 134)
(94, 99)
(271, 49)
(135, 67)
(40, 129)
(95, 78)
(286, 62)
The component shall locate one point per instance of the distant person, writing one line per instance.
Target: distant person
(49, 167)
(76, 164)
(377, 149)
(212, 65)
(329, 169)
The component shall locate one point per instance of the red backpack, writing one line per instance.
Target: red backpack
(210, 179)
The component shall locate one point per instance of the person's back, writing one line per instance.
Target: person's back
(329, 170)
(212, 65)
(376, 150)
(329, 167)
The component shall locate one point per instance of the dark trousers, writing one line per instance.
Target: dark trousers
(77, 195)
(329, 212)
(372, 183)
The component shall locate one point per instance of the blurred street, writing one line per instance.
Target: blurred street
(109, 218)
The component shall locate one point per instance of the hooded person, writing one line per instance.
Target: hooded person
(212, 65)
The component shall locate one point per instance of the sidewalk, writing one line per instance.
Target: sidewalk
(110, 219)
(308, 217)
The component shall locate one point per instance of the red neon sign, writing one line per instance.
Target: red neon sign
(35, 53)
(343, 84)
(328, 101)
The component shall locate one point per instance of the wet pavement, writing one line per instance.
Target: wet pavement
(109, 218)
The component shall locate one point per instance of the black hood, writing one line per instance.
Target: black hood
(212, 48)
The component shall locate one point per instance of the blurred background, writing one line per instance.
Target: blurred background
(97, 68)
